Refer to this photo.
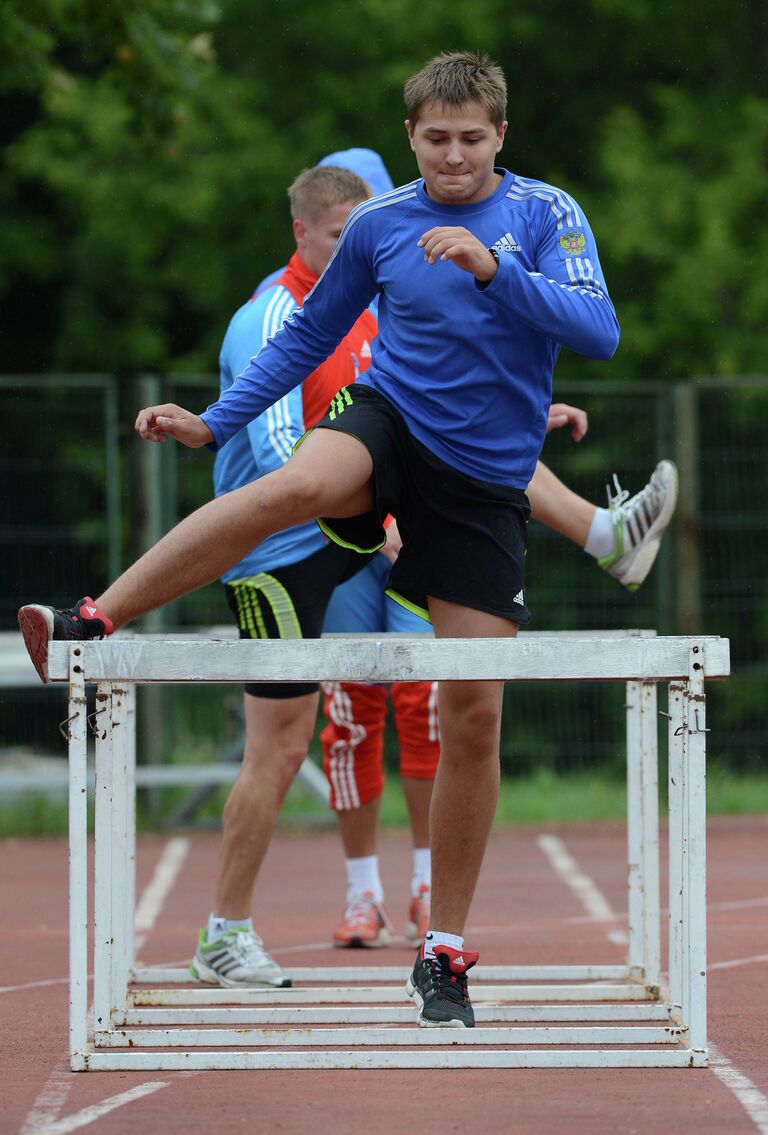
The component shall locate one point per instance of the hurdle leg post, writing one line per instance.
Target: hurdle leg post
(644, 955)
(78, 864)
(130, 819)
(103, 925)
(121, 927)
(677, 732)
(634, 832)
(695, 957)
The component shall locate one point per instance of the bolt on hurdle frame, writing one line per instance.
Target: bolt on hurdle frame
(359, 1017)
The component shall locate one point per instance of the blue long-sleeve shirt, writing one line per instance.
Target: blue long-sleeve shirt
(267, 441)
(468, 366)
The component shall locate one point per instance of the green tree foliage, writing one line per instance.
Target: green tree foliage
(130, 185)
(146, 150)
(685, 232)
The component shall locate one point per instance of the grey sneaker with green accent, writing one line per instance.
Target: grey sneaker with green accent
(237, 958)
(639, 523)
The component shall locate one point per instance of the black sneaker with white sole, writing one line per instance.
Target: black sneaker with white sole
(439, 987)
(40, 625)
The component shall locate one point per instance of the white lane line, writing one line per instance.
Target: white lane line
(739, 962)
(33, 985)
(748, 1094)
(159, 886)
(49, 1102)
(39, 1123)
(737, 904)
(597, 906)
(584, 888)
(580, 919)
(712, 908)
(43, 1119)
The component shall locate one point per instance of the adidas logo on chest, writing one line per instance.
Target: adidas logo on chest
(506, 243)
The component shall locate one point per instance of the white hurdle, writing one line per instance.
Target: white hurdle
(359, 1017)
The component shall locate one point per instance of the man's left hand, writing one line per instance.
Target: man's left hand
(561, 414)
(462, 248)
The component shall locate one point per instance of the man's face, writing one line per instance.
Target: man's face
(455, 149)
(316, 238)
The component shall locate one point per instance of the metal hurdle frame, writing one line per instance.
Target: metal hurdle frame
(358, 1017)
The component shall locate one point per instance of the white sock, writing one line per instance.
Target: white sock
(218, 925)
(600, 539)
(422, 869)
(438, 938)
(363, 876)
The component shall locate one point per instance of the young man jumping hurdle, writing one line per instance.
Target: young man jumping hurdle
(482, 276)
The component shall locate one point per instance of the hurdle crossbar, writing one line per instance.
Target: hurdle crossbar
(341, 1017)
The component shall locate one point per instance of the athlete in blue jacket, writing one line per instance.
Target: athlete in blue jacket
(477, 402)
(482, 277)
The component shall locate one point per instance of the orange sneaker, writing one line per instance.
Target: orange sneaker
(366, 923)
(418, 916)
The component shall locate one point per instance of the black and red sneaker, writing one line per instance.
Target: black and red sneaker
(439, 987)
(39, 625)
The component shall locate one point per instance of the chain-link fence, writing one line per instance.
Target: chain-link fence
(84, 493)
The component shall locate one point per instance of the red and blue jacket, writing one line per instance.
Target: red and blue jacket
(267, 441)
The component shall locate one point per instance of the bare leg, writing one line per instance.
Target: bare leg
(329, 475)
(277, 736)
(358, 828)
(365, 921)
(418, 797)
(467, 783)
(557, 506)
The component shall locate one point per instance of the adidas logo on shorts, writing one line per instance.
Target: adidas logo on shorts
(519, 598)
(338, 403)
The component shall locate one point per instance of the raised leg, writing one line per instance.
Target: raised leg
(557, 506)
(202, 546)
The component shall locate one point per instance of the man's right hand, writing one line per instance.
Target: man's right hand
(158, 423)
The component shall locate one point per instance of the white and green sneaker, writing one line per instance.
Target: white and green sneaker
(638, 525)
(237, 958)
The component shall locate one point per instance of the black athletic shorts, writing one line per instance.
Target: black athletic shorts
(464, 540)
(290, 602)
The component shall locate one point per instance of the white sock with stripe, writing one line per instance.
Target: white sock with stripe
(363, 877)
(218, 925)
(422, 870)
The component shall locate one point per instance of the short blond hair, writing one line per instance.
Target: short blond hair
(456, 79)
(319, 187)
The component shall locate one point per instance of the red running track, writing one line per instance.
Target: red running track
(522, 913)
